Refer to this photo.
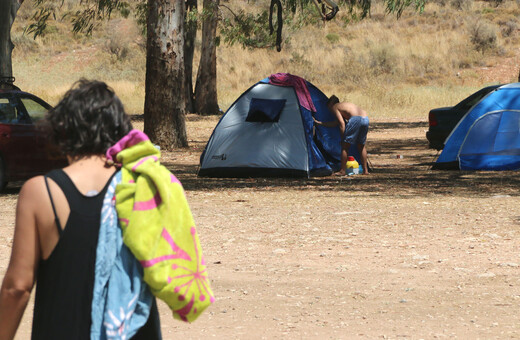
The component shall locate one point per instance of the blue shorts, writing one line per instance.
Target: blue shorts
(356, 130)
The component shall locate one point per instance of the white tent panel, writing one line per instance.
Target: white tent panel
(236, 143)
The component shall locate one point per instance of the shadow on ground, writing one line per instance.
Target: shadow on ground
(389, 182)
(374, 127)
(411, 179)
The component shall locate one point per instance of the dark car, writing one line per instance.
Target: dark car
(24, 150)
(443, 120)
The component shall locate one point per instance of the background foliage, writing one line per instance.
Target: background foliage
(396, 67)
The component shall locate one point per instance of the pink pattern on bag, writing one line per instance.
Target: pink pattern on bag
(185, 310)
(178, 252)
(150, 204)
(144, 160)
(199, 277)
(132, 138)
(175, 180)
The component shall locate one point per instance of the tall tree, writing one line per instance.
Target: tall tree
(206, 85)
(189, 50)
(164, 106)
(8, 10)
(164, 111)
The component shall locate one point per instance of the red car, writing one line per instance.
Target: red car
(24, 150)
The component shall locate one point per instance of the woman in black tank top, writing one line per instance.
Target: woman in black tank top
(58, 220)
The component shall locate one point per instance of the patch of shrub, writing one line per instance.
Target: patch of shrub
(383, 59)
(25, 43)
(354, 70)
(117, 47)
(51, 29)
(483, 36)
(461, 5)
(299, 59)
(418, 81)
(351, 18)
(332, 38)
(507, 29)
(119, 42)
(496, 3)
(469, 60)
(463, 63)
(441, 3)
(424, 65)
(25, 12)
(501, 51)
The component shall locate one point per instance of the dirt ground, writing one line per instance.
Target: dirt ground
(403, 253)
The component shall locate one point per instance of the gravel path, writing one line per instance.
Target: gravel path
(403, 253)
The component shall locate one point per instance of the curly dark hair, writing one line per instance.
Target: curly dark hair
(88, 120)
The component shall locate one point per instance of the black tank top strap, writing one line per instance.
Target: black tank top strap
(74, 197)
(56, 219)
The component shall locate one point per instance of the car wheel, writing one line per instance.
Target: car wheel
(3, 181)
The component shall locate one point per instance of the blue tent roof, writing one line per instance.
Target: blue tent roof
(488, 136)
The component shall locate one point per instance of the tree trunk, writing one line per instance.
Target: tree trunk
(189, 48)
(206, 86)
(164, 105)
(8, 10)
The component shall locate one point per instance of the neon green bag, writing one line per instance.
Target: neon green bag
(158, 228)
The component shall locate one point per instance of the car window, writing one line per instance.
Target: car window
(35, 110)
(469, 102)
(8, 111)
(473, 100)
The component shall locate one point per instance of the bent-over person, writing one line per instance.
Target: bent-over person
(353, 124)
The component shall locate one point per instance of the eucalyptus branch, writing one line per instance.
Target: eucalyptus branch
(229, 9)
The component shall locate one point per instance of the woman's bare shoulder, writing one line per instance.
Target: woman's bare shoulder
(32, 190)
(34, 183)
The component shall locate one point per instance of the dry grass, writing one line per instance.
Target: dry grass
(394, 68)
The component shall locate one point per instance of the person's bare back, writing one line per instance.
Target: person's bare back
(349, 110)
(344, 111)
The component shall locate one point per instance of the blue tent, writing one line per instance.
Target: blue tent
(267, 133)
(488, 136)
